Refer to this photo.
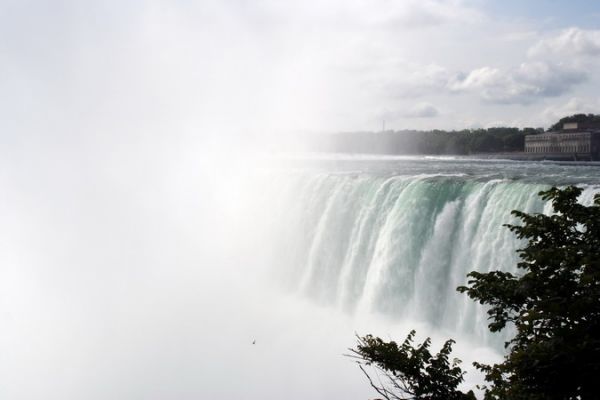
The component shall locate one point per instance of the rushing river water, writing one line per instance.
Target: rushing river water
(131, 280)
(396, 236)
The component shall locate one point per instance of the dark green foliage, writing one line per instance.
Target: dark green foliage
(462, 142)
(486, 142)
(411, 372)
(587, 121)
(554, 305)
(468, 141)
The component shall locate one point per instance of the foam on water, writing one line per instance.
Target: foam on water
(396, 244)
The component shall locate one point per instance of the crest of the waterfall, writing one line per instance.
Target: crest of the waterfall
(397, 245)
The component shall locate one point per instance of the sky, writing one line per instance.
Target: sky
(229, 70)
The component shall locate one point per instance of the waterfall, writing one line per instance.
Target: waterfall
(399, 245)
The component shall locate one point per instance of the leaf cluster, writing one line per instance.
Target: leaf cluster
(553, 303)
(411, 372)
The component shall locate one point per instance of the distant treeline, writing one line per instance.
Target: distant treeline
(429, 142)
(467, 141)
(585, 121)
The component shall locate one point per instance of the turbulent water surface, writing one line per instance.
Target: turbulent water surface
(204, 277)
(396, 236)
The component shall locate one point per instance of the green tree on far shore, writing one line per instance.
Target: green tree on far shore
(553, 303)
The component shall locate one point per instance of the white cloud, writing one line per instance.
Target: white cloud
(575, 105)
(568, 43)
(401, 114)
(521, 85)
(555, 67)
(422, 110)
(480, 78)
(306, 65)
(408, 80)
(546, 79)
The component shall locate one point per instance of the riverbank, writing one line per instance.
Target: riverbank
(522, 156)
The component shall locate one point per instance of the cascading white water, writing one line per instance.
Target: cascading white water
(160, 292)
(399, 245)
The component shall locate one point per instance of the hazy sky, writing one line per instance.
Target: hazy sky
(247, 66)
